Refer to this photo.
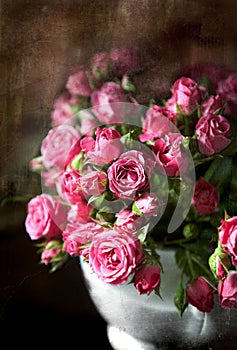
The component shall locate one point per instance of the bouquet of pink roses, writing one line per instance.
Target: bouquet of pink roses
(121, 180)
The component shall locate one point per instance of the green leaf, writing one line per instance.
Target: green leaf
(180, 299)
(135, 209)
(142, 233)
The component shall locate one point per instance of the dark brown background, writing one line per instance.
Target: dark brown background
(42, 42)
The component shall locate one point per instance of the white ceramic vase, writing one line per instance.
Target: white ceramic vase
(142, 322)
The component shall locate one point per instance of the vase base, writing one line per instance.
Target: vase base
(120, 340)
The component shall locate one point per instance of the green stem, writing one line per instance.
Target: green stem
(189, 260)
(203, 267)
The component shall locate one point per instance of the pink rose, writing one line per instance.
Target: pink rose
(147, 203)
(124, 60)
(187, 94)
(211, 105)
(88, 123)
(102, 100)
(93, 183)
(107, 146)
(62, 109)
(78, 84)
(129, 175)
(73, 152)
(71, 186)
(114, 256)
(213, 133)
(127, 221)
(205, 198)
(170, 155)
(80, 212)
(147, 278)
(100, 64)
(57, 144)
(222, 264)
(228, 237)
(228, 91)
(51, 250)
(46, 217)
(76, 236)
(227, 291)
(201, 295)
(157, 123)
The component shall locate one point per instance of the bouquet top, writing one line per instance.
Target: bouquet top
(122, 180)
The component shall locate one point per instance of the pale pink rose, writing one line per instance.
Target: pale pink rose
(205, 198)
(228, 91)
(213, 132)
(78, 84)
(88, 123)
(103, 101)
(71, 186)
(147, 203)
(211, 105)
(157, 123)
(187, 94)
(51, 177)
(147, 278)
(49, 253)
(201, 295)
(227, 291)
(62, 109)
(57, 144)
(46, 217)
(129, 175)
(76, 236)
(127, 221)
(93, 183)
(114, 256)
(125, 60)
(80, 212)
(170, 155)
(228, 237)
(107, 146)
(100, 64)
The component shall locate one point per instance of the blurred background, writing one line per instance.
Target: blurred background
(42, 42)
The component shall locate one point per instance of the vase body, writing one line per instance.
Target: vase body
(147, 322)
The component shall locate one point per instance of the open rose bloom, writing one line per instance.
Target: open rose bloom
(122, 180)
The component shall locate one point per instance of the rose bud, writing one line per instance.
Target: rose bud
(147, 278)
(201, 295)
(227, 291)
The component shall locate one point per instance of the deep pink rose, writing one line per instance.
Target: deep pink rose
(71, 186)
(50, 252)
(76, 236)
(147, 203)
(57, 144)
(78, 84)
(213, 133)
(114, 256)
(228, 91)
(205, 198)
(125, 60)
(201, 295)
(129, 175)
(187, 94)
(228, 237)
(62, 109)
(223, 263)
(73, 152)
(147, 278)
(157, 123)
(80, 212)
(211, 105)
(107, 146)
(170, 155)
(93, 183)
(227, 291)
(102, 100)
(127, 221)
(46, 217)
